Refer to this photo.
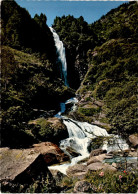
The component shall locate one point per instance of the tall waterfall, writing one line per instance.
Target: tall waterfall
(61, 52)
(80, 136)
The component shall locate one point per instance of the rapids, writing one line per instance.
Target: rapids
(80, 136)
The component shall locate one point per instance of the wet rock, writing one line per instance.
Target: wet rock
(72, 152)
(133, 139)
(51, 152)
(82, 186)
(97, 152)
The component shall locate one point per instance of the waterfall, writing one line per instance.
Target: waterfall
(61, 54)
(80, 136)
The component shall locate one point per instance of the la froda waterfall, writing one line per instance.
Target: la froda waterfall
(80, 133)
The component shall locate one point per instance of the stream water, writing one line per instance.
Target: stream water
(80, 133)
(80, 136)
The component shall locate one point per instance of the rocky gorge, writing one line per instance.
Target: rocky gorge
(69, 119)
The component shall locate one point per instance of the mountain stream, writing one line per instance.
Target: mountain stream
(80, 136)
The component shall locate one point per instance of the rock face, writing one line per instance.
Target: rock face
(82, 186)
(21, 166)
(51, 152)
(134, 139)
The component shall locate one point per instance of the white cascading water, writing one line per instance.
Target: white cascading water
(80, 135)
(61, 52)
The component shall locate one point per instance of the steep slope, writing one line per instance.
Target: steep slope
(108, 91)
(31, 83)
(22, 32)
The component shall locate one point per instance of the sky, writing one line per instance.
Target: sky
(90, 10)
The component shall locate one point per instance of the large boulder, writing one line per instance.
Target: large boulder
(50, 129)
(100, 166)
(133, 139)
(51, 152)
(21, 167)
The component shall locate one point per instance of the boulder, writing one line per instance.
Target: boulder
(97, 152)
(108, 167)
(50, 129)
(20, 166)
(98, 166)
(95, 166)
(51, 152)
(98, 158)
(82, 187)
(78, 170)
(133, 139)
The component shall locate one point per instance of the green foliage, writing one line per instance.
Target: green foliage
(21, 32)
(112, 78)
(118, 182)
(89, 111)
(112, 72)
(43, 184)
(118, 23)
(27, 83)
(68, 183)
(14, 128)
(44, 130)
(96, 143)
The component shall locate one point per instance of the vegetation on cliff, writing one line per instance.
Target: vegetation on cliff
(30, 76)
(112, 74)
